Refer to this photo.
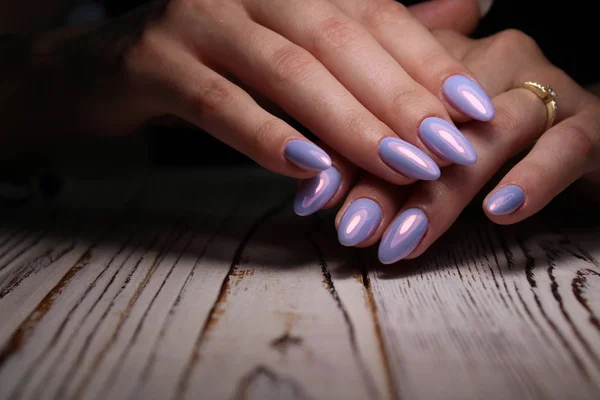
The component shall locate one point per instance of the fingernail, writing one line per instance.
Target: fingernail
(359, 222)
(315, 192)
(403, 236)
(307, 155)
(446, 141)
(484, 7)
(468, 97)
(408, 159)
(506, 200)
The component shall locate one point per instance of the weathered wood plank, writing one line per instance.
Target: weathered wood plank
(184, 285)
(281, 327)
(491, 313)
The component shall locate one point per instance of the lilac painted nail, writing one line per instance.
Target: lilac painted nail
(315, 192)
(446, 141)
(403, 235)
(408, 159)
(506, 200)
(468, 97)
(307, 155)
(359, 222)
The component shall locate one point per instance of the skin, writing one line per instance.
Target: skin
(558, 157)
(338, 67)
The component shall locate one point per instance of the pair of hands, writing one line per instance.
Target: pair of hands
(370, 80)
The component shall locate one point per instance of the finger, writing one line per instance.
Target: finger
(306, 90)
(326, 189)
(460, 15)
(359, 63)
(368, 210)
(434, 206)
(561, 156)
(206, 99)
(422, 56)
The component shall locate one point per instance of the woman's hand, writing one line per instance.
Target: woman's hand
(362, 75)
(410, 218)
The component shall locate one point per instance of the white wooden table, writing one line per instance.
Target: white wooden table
(205, 285)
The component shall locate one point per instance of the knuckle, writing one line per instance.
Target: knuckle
(266, 130)
(291, 64)
(140, 55)
(335, 32)
(436, 57)
(382, 13)
(514, 43)
(214, 96)
(409, 100)
(582, 139)
(359, 126)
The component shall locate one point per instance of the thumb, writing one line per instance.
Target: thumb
(459, 15)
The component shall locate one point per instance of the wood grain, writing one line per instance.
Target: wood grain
(203, 284)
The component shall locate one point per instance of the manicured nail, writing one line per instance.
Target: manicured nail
(315, 192)
(307, 155)
(506, 200)
(484, 7)
(408, 159)
(403, 236)
(468, 97)
(446, 141)
(359, 222)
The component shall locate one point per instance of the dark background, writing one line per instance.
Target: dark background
(566, 32)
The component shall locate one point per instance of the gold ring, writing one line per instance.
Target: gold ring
(548, 96)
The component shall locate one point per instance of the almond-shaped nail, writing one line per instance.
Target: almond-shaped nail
(505, 200)
(445, 140)
(403, 236)
(468, 97)
(307, 155)
(359, 222)
(408, 159)
(315, 192)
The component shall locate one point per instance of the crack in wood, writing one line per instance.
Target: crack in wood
(216, 309)
(39, 359)
(387, 367)
(551, 255)
(140, 324)
(286, 341)
(18, 241)
(487, 235)
(579, 286)
(530, 265)
(20, 336)
(327, 280)
(183, 289)
(291, 388)
(122, 318)
(510, 264)
(34, 266)
(56, 337)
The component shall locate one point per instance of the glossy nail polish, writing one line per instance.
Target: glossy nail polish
(307, 155)
(468, 97)
(359, 222)
(505, 200)
(441, 137)
(408, 159)
(403, 235)
(315, 192)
